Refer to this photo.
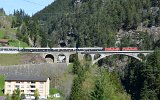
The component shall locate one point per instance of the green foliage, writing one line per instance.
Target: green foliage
(36, 94)
(8, 97)
(79, 70)
(147, 42)
(93, 22)
(76, 89)
(133, 80)
(107, 87)
(17, 43)
(1, 34)
(152, 76)
(53, 91)
(76, 65)
(98, 93)
(92, 83)
(27, 29)
(142, 79)
(2, 81)
(16, 95)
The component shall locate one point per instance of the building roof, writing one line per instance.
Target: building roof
(4, 40)
(26, 78)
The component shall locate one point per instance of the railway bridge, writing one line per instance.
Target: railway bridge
(103, 54)
(62, 55)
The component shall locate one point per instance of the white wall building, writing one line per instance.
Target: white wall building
(28, 85)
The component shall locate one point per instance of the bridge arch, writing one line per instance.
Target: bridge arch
(61, 58)
(49, 58)
(106, 55)
(96, 56)
(72, 57)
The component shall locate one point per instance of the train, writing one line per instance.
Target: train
(121, 49)
(30, 49)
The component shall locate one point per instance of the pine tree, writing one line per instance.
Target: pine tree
(76, 65)
(16, 95)
(36, 94)
(98, 93)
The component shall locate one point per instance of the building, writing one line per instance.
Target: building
(28, 85)
(4, 42)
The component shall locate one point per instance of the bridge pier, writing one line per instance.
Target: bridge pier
(80, 56)
(92, 57)
(67, 57)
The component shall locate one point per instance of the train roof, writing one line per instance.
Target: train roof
(48, 48)
(90, 48)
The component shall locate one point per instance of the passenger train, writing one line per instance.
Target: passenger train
(67, 49)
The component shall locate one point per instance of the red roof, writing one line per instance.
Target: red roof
(4, 40)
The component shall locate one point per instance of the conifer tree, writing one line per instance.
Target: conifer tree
(16, 94)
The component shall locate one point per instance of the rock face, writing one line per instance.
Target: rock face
(5, 21)
(136, 37)
(2, 12)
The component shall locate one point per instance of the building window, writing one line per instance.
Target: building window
(33, 82)
(18, 82)
(32, 86)
(28, 91)
(8, 86)
(41, 86)
(22, 90)
(32, 90)
(28, 86)
(17, 86)
(22, 86)
(40, 91)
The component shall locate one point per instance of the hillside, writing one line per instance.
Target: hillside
(16, 59)
(90, 23)
(7, 32)
(96, 22)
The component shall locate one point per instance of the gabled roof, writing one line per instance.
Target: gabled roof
(26, 78)
(4, 40)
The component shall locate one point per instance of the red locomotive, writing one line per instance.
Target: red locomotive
(129, 49)
(121, 49)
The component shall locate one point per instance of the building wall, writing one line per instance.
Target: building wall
(28, 87)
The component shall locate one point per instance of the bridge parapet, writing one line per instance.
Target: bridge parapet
(66, 52)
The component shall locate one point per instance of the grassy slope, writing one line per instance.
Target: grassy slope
(12, 41)
(1, 34)
(17, 43)
(21, 58)
(9, 59)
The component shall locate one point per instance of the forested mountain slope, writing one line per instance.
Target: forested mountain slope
(95, 22)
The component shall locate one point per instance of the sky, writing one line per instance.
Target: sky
(29, 6)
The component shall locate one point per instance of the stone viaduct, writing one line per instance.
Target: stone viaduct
(63, 57)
